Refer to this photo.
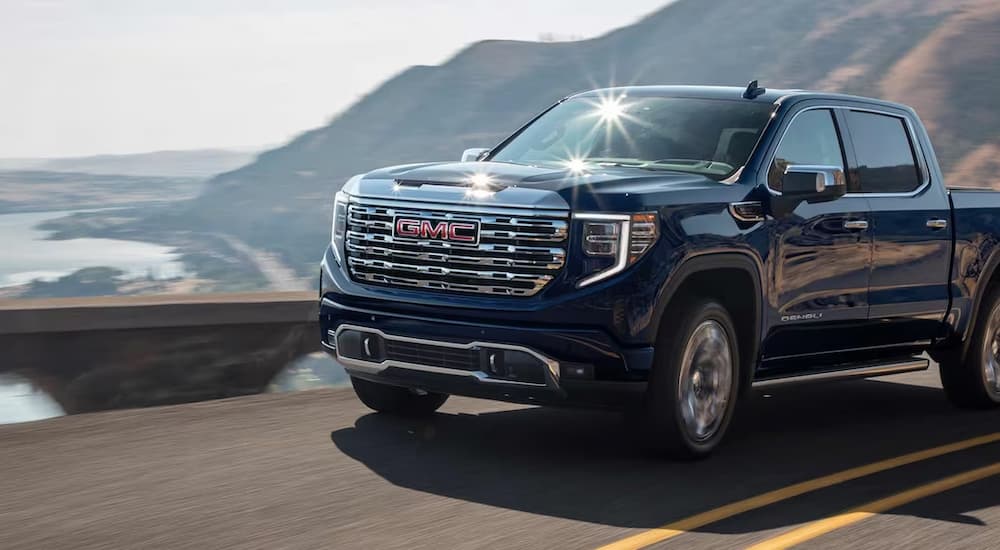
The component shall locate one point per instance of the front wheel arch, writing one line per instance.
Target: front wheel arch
(742, 296)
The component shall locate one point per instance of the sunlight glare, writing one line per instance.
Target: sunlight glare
(481, 180)
(478, 193)
(481, 184)
(610, 109)
(576, 165)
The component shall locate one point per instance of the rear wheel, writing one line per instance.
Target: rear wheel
(695, 381)
(397, 400)
(974, 382)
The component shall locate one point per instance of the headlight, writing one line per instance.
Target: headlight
(339, 225)
(618, 239)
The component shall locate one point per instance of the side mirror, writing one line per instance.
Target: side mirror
(814, 183)
(475, 154)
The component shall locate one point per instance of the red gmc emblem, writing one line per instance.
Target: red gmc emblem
(439, 230)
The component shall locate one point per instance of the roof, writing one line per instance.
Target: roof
(772, 95)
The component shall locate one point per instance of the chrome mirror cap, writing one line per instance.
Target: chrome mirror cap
(814, 183)
(475, 154)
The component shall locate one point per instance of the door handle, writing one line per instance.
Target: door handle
(937, 223)
(856, 225)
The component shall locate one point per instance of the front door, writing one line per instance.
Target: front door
(820, 255)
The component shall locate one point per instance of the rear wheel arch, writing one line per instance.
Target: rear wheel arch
(734, 280)
(971, 381)
(989, 279)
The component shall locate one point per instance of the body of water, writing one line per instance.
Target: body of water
(26, 254)
(22, 402)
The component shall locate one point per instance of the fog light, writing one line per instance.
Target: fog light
(366, 346)
(506, 364)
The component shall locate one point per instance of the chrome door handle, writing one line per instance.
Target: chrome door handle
(856, 225)
(937, 223)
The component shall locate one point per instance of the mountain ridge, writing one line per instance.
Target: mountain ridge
(188, 163)
(940, 57)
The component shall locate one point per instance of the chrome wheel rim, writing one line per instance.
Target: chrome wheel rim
(706, 381)
(991, 355)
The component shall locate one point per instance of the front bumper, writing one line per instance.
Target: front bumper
(545, 364)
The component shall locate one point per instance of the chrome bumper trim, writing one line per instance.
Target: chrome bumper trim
(371, 367)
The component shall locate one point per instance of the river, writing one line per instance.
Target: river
(26, 254)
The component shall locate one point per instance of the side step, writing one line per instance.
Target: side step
(866, 371)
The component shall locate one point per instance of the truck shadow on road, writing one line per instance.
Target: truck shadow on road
(584, 465)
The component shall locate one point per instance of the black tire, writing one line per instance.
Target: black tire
(966, 381)
(666, 430)
(397, 400)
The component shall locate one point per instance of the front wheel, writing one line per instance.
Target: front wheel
(397, 400)
(695, 380)
(974, 383)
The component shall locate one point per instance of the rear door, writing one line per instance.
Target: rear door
(910, 218)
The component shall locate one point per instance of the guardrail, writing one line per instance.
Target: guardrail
(111, 352)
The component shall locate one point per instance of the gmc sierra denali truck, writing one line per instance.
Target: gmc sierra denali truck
(663, 250)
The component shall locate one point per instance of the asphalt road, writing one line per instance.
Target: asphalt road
(316, 470)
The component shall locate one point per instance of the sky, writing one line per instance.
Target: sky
(83, 77)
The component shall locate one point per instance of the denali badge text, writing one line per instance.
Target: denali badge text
(802, 317)
(438, 230)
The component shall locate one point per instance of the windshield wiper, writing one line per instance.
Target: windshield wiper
(632, 163)
(643, 165)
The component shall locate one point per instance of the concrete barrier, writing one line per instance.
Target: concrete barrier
(102, 353)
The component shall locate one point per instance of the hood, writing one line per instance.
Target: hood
(537, 187)
(500, 175)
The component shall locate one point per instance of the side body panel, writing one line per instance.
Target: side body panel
(909, 294)
(817, 281)
(907, 289)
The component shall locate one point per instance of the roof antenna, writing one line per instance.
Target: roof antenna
(753, 90)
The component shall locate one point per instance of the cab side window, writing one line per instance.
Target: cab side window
(886, 163)
(810, 139)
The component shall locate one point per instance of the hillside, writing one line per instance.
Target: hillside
(941, 57)
(194, 163)
(34, 191)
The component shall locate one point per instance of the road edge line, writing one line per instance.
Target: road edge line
(832, 523)
(673, 529)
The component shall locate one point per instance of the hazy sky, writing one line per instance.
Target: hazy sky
(80, 77)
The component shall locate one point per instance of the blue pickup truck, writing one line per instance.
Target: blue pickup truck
(663, 249)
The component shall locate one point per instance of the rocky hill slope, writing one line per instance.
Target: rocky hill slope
(943, 57)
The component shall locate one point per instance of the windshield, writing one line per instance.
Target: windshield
(713, 137)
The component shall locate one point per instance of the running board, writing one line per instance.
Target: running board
(867, 371)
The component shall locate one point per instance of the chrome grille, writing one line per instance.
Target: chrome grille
(518, 253)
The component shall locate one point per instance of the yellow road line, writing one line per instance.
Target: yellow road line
(832, 523)
(696, 521)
